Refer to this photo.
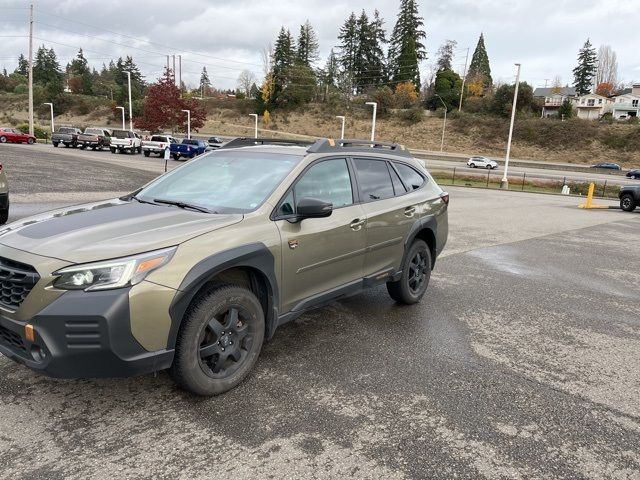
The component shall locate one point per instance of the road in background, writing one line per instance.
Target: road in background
(520, 362)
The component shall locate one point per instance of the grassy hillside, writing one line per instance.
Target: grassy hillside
(574, 141)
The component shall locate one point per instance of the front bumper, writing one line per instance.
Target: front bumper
(82, 336)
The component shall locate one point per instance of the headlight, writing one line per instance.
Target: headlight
(118, 273)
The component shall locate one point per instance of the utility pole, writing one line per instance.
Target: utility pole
(444, 124)
(31, 69)
(174, 69)
(464, 80)
(504, 183)
(168, 65)
(546, 82)
(180, 72)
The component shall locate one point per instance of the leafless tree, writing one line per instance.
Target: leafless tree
(607, 66)
(266, 55)
(245, 80)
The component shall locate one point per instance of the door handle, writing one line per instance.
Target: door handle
(357, 224)
(409, 211)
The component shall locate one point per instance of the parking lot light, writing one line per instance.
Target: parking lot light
(122, 108)
(51, 107)
(188, 112)
(504, 183)
(444, 124)
(255, 116)
(130, 108)
(373, 124)
(341, 117)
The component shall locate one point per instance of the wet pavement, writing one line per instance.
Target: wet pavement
(521, 362)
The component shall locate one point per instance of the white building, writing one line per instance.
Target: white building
(626, 106)
(591, 106)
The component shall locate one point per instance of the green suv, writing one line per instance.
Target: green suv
(194, 271)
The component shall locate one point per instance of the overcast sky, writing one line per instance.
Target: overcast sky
(227, 37)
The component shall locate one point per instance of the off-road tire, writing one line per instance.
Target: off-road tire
(55, 144)
(147, 153)
(203, 325)
(4, 216)
(113, 150)
(627, 203)
(403, 291)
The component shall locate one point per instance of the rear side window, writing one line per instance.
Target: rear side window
(398, 187)
(412, 179)
(374, 179)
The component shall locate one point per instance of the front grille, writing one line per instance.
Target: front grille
(16, 281)
(11, 339)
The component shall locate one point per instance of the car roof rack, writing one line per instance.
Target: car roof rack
(330, 145)
(250, 141)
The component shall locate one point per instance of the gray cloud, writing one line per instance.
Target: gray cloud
(227, 37)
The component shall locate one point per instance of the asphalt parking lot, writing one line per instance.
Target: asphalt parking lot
(521, 362)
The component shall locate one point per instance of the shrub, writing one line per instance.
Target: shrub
(38, 131)
(21, 89)
(413, 115)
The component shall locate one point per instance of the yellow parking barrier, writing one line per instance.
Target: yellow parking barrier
(589, 203)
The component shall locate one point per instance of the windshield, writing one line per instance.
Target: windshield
(223, 181)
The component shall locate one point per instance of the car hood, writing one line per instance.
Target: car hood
(110, 229)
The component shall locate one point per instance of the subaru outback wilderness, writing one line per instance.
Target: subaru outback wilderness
(195, 270)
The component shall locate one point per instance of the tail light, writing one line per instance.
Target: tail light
(162, 145)
(445, 197)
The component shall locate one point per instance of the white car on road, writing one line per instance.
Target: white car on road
(482, 162)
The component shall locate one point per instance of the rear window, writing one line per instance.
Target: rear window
(67, 130)
(122, 134)
(412, 179)
(94, 131)
(190, 142)
(158, 138)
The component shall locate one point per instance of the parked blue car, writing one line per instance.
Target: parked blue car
(189, 148)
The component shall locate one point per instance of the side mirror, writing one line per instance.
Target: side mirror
(313, 208)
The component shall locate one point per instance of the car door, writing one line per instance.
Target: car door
(321, 255)
(391, 209)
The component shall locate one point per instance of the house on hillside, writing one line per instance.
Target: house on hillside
(627, 105)
(591, 106)
(553, 98)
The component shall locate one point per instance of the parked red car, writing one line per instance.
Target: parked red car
(15, 136)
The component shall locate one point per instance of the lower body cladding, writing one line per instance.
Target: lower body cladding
(91, 335)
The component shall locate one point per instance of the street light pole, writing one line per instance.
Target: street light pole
(188, 112)
(504, 183)
(464, 80)
(51, 107)
(444, 124)
(130, 109)
(255, 116)
(122, 108)
(373, 124)
(31, 69)
(341, 117)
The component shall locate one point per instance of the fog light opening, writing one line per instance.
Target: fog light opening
(37, 353)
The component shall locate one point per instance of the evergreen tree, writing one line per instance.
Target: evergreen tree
(119, 70)
(369, 65)
(330, 72)
(205, 83)
(23, 66)
(283, 58)
(308, 45)
(585, 72)
(445, 55)
(46, 72)
(80, 75)
(406, 44)
(566, 110)
(447, 86)
(479, 69)
(348, 51)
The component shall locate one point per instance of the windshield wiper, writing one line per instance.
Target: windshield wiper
(138, 199)
(182, 205)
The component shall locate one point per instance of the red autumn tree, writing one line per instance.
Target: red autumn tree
(163, 107)
(605, 89)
